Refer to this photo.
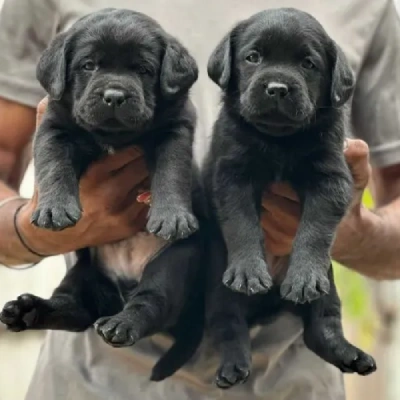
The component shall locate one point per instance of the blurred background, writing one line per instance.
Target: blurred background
(371, 319)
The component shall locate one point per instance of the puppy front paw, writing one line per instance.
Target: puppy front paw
(117, 331)
(172, 223)
(56, 215)
(19, 315)
(248, 276)
(305, 284)
(233, 372)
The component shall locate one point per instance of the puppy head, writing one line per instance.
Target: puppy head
(278, 68)
(113, 68)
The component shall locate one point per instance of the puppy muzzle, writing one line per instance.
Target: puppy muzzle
(276, 100)
(113, 107)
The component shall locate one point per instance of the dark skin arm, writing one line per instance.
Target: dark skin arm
(17, 123)
(367, 241)
(108, 192)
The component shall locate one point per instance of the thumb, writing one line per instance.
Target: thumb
(357, 156)
(40, 110)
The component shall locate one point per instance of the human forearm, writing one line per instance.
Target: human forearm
(17, 122)
(12, 250)
(369, 242)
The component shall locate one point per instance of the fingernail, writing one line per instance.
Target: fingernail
(345, 144)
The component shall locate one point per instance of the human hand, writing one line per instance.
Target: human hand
(108, 193)
(281, 209)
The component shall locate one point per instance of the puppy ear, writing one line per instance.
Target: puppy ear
(220, 63)
(342, 78)
(179, 70)
(51, 70)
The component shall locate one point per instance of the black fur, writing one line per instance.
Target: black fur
(284, 83)
(116, 79)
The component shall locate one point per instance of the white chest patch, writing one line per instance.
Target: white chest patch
(128, 258)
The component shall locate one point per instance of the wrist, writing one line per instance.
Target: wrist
(12, 250)
(33, 239)
(365, 243)
(351, 235)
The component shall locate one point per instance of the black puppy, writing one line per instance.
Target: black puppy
(284, 83)
(117, 79)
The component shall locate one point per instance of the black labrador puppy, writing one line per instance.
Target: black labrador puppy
(117, 79)
(284, 83)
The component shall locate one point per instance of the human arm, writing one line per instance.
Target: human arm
(376, 119)
(17, 123)
(367, 241)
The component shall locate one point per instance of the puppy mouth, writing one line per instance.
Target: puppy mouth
(103, 119)
(277, 120)
(112, 123)
(275, 123)
(277, 126)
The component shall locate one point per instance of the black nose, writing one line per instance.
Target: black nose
(276, 89)
(114, 97)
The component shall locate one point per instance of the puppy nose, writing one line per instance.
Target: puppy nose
(114, 97)
(276, 89)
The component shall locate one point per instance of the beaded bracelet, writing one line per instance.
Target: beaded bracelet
(23, 266)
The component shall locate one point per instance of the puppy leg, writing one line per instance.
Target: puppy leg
(58, 165)
(188, 333)
(171, 214)
(156, 304)
(323, 334)
(247, 270)
(83, 296)
(229, 332)
(226, 320)
(325, 199)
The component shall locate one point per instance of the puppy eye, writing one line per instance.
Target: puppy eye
(253, 57)
(307, 64)
(89, 66)
(144, 71)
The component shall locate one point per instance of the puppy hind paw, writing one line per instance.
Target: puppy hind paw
(116, 331)
(231, 373)
(303, 287)
(171, 224)
(19, 315)
(249, 277)
(357, 362)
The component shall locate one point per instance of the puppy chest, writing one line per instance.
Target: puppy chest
(127, 259)
(276, 168)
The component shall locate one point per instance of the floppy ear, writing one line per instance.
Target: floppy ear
(342, 78)
(220, 62)
(179, 70)
(51, 70)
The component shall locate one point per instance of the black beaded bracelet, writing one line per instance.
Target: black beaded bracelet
(22, 240)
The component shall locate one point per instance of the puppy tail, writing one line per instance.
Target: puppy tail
(178, 355)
